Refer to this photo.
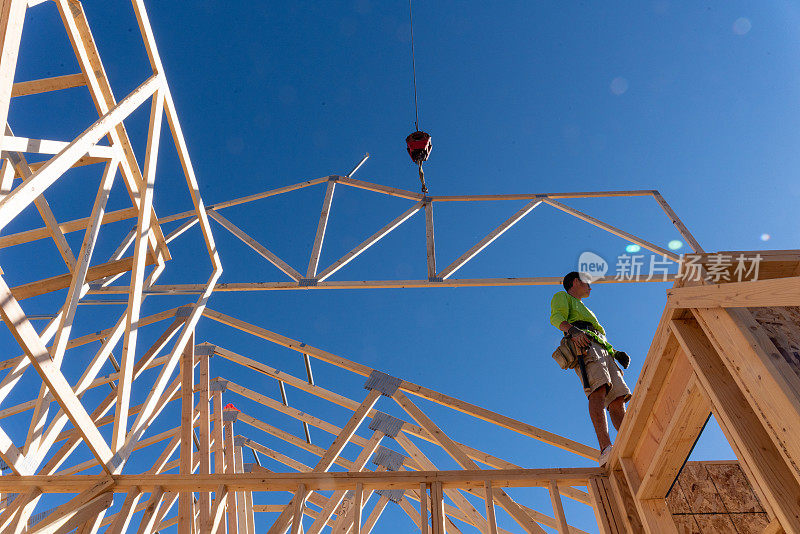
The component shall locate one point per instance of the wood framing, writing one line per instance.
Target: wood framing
(728, 349)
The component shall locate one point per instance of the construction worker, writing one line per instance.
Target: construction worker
(596, 366)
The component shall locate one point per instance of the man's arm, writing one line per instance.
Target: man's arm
(559, 312)
(580, 339)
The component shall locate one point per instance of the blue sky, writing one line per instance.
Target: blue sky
(697, 100)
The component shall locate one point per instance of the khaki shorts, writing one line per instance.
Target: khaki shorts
(602, 370)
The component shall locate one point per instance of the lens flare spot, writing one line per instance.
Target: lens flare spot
(618, 85)
(742, 26)
(675, 244)
(633, 248)
(765, 237)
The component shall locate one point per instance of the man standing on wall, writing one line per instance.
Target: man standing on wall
(601, 376)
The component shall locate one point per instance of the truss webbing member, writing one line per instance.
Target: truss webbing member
(585, 348)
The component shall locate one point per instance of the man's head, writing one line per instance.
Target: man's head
(575, 286)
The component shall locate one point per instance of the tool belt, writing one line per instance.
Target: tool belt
(568, 356)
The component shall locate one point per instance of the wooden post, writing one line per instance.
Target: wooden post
(437, 508)
(558, 508)
(299, 504)
(12, 17)
(220, 497)
(423, 508)
(185, 504)
(230, 467)
(489, 498)
(204, 437)
(358, 503)
(313, 262)
(429, 240)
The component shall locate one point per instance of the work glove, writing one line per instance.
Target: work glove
(575, 331)
(579, 337)
(623, 358)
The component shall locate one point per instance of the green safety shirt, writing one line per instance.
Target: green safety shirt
(565, 307)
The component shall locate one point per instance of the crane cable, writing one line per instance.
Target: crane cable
(416, 105)
(413, 65)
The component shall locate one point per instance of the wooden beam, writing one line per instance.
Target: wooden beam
(192, 289)
(100, 495)
(531, 196)
(143, 230)
(558, 508)
(204, 436)
(327, 459)
(16, 144)
(35, 350)
(263, 251)
(464, 461)
(88, 56)
(54, 283)
(488, 491)
(367, 243)
(230, 468)
(316, 249)
(676, 441)
(612, 229)
(654, 513)
(745, 432)
(12, 17)
(44, 85)
(386, 190)
(773, 292)
(185, 507)
(450, 270)
(685, 233)
(430, 240)
(376, 512)
(335, 500)
(13, 204)
(410, 387)
(470, 512)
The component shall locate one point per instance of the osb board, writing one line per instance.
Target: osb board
(782, 325)
(715, 497)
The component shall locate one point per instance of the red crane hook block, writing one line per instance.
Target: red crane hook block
(419, 146)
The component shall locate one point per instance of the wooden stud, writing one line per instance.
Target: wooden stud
(423, 508)
(558, 508)
(204, 437)
(358, 499)
(143, 228)
(437, 509)
(44, 85)
(430, 240)
(230, 468)
(12, 17)
(316, 249)
(297, 512)
(489, 499)
(185, 510)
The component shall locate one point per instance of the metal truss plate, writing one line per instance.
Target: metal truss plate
(218, 384)
(382, 382)
(387, 424)
(204, 349)
(388, 458)
(394, 495)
